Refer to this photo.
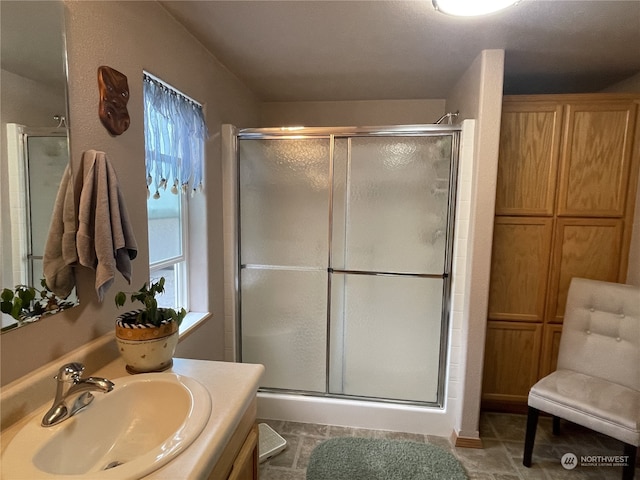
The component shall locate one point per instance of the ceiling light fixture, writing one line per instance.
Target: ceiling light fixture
(470, 8)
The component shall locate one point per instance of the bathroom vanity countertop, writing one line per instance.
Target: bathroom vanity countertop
(232, 387)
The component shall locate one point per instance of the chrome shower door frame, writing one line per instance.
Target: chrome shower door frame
(333, 133)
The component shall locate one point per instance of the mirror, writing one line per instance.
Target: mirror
(35, 148)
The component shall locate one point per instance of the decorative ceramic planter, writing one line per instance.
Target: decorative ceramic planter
(146, 348)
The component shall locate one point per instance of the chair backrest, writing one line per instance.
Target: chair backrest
(601, 331)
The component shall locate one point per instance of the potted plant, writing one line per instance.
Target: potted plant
(27, 304)
(147, 337)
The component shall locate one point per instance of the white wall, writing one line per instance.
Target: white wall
(358, 113)
(632, 85)
(628, 85)
(478, 95)
(130, 36)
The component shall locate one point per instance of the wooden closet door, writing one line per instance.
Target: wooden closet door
(519, 268)
(527, 165)
(551, 333)
(511, 361)
(567, 176)
(586, 248)
(596, 156)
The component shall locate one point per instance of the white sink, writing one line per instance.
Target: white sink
(143, 423)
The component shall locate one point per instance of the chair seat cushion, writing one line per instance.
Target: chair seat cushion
(592, 402)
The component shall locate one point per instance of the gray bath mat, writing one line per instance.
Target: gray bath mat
(380, 459)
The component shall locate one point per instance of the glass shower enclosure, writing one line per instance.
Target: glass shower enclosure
(37, 158)
(345, 242)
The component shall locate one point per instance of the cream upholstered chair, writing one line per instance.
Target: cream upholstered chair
(597, 380)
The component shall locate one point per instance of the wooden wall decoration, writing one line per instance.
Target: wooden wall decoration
(114, 95)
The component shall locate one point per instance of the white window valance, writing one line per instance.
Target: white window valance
(175, 132)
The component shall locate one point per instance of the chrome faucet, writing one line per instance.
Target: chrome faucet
(73, 393)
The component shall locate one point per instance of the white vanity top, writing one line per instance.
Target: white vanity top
(232, 387)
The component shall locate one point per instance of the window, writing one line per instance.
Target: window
(167, 217)
(174, 156)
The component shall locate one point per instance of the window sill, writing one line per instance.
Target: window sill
(192, 322)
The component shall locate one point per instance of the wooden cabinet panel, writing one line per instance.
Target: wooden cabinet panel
(596, 156)
(527, 165)
(245, 466)
(511, 360)
(583, 247)
(519, 268)
(239, 459)
(551, 334)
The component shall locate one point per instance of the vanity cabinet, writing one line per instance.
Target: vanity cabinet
(239, 459)
(566, 191)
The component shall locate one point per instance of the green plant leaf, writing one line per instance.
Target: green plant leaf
(7, 295)
(120, 299)
(17, 308)
(6, 306)
(151, 313)
(27, 294)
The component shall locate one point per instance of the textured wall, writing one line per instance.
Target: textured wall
(478, 95)
(632, 85)
(351, 113)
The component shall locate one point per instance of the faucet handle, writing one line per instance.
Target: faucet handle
(70, 372)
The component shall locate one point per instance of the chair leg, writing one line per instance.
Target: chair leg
(556, 425)
(631, 452)
(530, 436)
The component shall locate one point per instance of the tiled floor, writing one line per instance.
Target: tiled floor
(500, 459)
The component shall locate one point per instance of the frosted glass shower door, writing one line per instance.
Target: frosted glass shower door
(391, 209)
(47, 158)
(385, 336)
(284, 235)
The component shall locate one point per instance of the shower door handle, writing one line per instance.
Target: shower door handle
(388, 274)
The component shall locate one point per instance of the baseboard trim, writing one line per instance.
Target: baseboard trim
(465, 442)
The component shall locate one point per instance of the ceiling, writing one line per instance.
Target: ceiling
(404, 49)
